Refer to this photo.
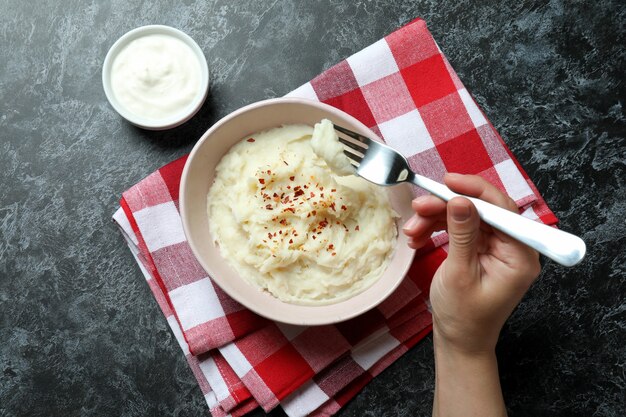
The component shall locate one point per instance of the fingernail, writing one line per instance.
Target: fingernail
(412, 222)
(460, 213)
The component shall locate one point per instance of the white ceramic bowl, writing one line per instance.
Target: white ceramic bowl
(175, 119)
(198, 176)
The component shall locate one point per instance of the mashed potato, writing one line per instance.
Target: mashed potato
(291, 226)
(326, 145)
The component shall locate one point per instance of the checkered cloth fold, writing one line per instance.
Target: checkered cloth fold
(404, 89)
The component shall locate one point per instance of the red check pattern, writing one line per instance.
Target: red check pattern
(405, 90)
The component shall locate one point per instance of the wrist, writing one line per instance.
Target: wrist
(463, 348)
(466, 381)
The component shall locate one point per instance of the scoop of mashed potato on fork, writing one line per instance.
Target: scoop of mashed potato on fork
(326, 145)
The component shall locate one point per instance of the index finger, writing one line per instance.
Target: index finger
(475, 186)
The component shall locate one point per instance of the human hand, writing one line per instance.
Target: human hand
(486, 273)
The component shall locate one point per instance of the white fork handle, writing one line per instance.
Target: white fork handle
(562, 247)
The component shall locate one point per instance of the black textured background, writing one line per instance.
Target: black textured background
(79, 331)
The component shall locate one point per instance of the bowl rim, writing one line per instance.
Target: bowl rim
(311, 321)
(167, 122)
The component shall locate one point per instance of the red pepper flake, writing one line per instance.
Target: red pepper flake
(343, 207)
(331, 246)
(334, 253)
(291, 209)
(312, 195)
(269, 235)
(314, 237)
(280, 232)
(298, 193)
(337, 221)
(250, 140)
(321, 188)
(332, 206)
(289, 187)
(314, 212)
(261, 180)
(283, 222)
(323, 223)
(306, 186)
(292, 178)
(308, 215)
(269, 207)
(269, 172)
(357, 227)
(290, 241)
(274, 234)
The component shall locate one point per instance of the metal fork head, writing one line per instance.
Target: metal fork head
(374, 161)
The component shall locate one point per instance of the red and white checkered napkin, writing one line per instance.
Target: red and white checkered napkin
(405, 90)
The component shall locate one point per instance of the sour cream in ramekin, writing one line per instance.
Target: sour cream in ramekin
(156, 77)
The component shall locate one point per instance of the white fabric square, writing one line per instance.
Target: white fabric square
(210, 399)
(298, 404)
(368, 354)
(160, 225)
(171, 320)
(530, 213)
(472, 109)
(373, 63)
(304, 91)
(122, 221)
(213, 375)
(514, 183)
(196, 303)
(407, 134)
(236, 359)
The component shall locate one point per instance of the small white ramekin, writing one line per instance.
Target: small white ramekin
(173, 120)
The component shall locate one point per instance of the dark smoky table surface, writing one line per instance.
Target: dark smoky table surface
(80, 333)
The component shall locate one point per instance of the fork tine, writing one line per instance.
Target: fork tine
(352, 156)
(352, 134)
(352, 145)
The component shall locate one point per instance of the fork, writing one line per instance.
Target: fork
(382, 165)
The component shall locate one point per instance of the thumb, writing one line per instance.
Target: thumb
(463, 229)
